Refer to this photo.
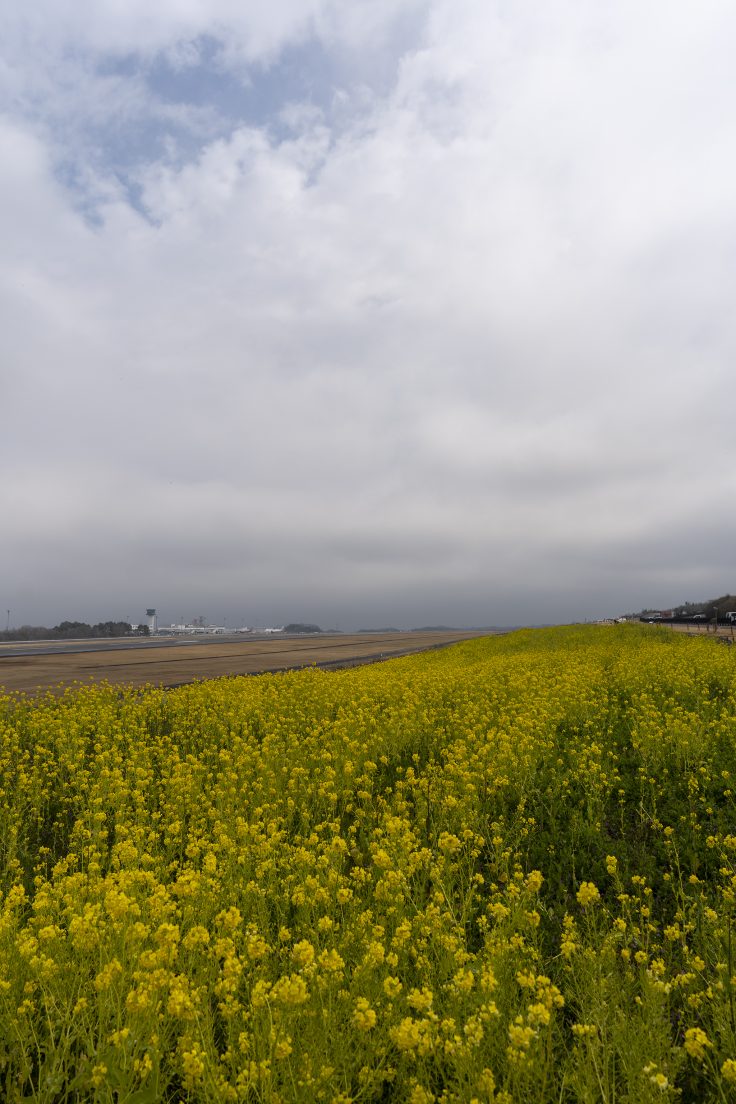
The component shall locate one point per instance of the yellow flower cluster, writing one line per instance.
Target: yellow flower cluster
(588, 894)
(502, 872)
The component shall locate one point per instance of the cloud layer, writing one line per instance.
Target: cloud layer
(368, 312)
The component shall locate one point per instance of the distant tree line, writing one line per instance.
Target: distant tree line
(710, 609)
(74, 630)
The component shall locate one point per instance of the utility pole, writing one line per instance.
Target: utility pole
(8, 625)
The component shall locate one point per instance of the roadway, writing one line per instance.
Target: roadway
(122, 643)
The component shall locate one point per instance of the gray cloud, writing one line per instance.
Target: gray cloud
(449, 341)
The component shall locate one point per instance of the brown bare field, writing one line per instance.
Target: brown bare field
(173, 665)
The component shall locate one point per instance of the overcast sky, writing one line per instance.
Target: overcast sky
(366, 312)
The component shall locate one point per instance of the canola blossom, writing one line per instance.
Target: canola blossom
(501, 872)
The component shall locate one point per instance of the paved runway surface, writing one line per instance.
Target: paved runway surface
(122, 643)
(53, 665)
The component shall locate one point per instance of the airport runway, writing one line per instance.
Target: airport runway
(122, 643)
(54, 665)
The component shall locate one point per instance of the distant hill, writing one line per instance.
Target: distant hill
(300, 627)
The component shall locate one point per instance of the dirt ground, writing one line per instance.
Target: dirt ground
(174, 665)
(726, 631)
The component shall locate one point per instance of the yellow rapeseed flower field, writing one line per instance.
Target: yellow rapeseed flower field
(501, 872)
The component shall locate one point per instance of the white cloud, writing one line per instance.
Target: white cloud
(467, 338)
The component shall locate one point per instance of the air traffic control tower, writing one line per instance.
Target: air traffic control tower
(152, 621)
